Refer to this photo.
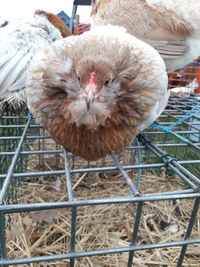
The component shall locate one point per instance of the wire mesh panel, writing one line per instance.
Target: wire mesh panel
(188, 78)
(71, 212)
(80, 28)
(11, 130)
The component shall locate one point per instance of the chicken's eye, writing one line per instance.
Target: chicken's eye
(106, 83)
(78, 78)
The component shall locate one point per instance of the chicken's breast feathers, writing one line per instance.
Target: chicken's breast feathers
(132, 98)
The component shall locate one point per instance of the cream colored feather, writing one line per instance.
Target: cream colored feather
(19, 41)
(170, 26)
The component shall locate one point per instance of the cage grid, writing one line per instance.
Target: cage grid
(23, 144)
(186, 77)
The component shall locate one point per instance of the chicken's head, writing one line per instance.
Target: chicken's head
(56, 21)
(97, 91)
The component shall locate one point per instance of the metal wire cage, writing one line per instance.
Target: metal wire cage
(29, 159)
(187, 77)
(28, 154)
(76, 3)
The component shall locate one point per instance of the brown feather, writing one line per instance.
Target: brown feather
(56, 91)
(59, 24)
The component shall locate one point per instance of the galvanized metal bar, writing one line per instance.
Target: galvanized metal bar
(13, 117)
(48, 137)
(176, 164)
(177, 192)
(163, 145)
(189, 231)
(3, 252)
(67, 175)
(125, 175)
(73, 234)
(191, 123)
(181, 105)
(73, 209)
(135, 232)
(33, 152)
(28, 152)
(178, 132)
(158, 152)
(27, 137)
(184, 170)
(90, 202)
(100, 169)
(98, 252)
(13, 164)
(19, 126)
(182, 176)
(74, 9)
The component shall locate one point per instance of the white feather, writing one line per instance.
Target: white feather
(176, 55)
(19, 42)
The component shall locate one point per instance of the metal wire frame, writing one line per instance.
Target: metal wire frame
(153, 143)
(74, 10)
(184, 76)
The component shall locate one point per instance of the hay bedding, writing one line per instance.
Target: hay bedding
(99, 227)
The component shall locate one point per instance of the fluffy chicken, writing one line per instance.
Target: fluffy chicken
(95, 92)
(172, 27)
(19, 41)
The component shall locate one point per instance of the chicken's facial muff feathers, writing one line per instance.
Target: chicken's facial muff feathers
(96, 94)
(94, 103)
(88, 86)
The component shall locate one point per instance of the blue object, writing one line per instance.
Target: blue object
(64, 16)
(193, 111)
(29, 114)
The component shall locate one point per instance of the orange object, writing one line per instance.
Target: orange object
(80, 28)
(188, 77)
(198, 79)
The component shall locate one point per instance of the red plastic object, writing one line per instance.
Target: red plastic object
(80, 28)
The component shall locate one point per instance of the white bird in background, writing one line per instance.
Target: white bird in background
(96, 91)
(19, 42)
(172, 27)
(186, 90)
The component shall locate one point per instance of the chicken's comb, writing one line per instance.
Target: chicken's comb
(39, 12)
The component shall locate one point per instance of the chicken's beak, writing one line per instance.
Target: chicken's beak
(90, 90)
(89, 99)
